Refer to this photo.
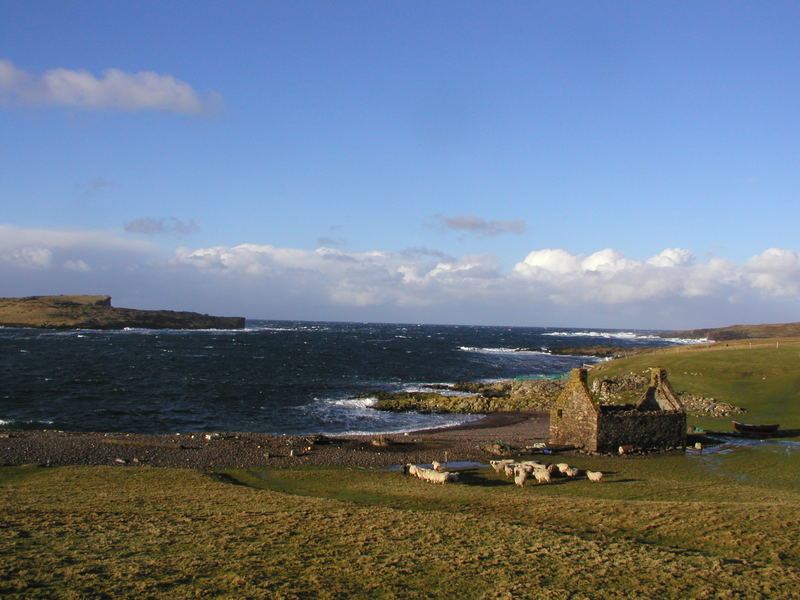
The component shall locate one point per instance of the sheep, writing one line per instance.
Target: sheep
(572, 472)
(542, 476)
(437, 466)
(437, 476)
(430, 474)
(594, 475)
(499, 465)
(520, 476)
(562, 468)
(509, 470)
(412, 470)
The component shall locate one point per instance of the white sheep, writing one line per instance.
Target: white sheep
(594, 475)
(437, 466)
(508, 469)
(572, 472)
(438, 476)
(520, 476)
(499, 465)
(562, 467)
(542, 476)
(412, 470)
(430, 474)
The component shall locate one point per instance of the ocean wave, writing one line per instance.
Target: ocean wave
(624, 335)
(355, 416)
(37, 423)
(500, 350)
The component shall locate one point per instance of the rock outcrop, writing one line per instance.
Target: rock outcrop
(96, 312)
(500, 396)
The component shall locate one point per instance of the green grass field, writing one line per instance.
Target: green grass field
(699, 525)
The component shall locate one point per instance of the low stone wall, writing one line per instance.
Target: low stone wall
(646, 430)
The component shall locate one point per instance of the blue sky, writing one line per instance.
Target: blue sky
(620, 164)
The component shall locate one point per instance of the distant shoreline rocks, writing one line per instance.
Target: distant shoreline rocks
(536, 395)
(96, 312)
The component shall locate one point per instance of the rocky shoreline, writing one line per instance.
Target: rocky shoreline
(535, 395)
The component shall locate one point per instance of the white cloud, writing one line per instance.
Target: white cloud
(671, 257)
(608, 277)
(346, 278)
(28, 257)
(73, 251)
(775, 271)
(115, 90)
(76, 265)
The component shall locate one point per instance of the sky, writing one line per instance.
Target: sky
(579, 164)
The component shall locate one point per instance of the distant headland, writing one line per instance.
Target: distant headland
(96, 312)
(739, 332)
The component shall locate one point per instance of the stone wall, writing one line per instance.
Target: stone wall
(657, 422)
(643, 429)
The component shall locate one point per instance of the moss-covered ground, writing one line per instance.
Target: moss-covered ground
(700, 525)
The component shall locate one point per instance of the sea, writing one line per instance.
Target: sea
(284, 377)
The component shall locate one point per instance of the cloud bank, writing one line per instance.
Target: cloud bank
(114, 90)
(551, 286)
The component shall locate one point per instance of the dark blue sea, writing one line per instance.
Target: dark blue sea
(272, 377)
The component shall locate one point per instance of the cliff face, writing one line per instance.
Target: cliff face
(96, 312)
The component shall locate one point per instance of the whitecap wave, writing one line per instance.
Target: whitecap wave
(356, 416)
(500, 350)
(624, 335)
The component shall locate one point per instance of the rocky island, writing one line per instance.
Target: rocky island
(96, 312)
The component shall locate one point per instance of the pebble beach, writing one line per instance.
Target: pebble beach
(228, 450)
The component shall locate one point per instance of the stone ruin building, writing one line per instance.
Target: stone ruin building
(656, 422)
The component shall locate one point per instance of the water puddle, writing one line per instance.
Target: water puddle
(728, 444)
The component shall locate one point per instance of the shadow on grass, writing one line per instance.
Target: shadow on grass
(226, 478)
(787, 433)
(471, 477)
(629, 480)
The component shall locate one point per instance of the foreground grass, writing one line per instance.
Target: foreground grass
(663, 528)
(699, 525)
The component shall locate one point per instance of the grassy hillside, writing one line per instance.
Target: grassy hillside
(761, 376)
(738, 332)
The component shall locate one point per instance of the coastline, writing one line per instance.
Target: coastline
(232, 450)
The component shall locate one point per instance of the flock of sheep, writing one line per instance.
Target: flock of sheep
(519, 471)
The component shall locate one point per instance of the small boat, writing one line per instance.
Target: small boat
(755, 429)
